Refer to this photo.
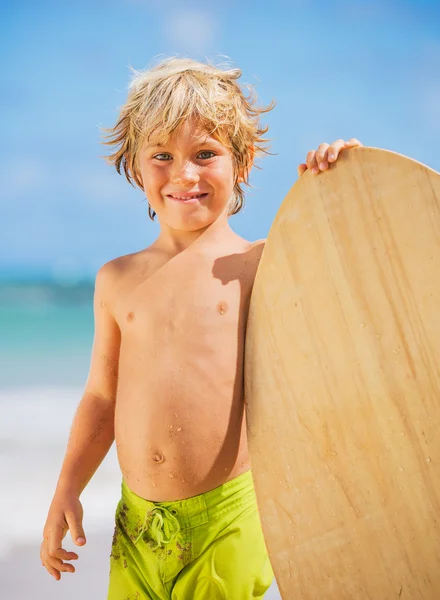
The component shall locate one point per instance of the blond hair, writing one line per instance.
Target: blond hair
(162, 98)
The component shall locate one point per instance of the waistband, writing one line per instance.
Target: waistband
(164, 520)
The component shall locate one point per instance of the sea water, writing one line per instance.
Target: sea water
(46, 336)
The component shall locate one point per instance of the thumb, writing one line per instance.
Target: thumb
(302, 168)
(76, 529)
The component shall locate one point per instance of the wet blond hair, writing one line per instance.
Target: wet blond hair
(162, 98)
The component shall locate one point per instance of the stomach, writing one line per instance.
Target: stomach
(180, 427)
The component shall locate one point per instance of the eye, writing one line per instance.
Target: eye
(161, 154)
(207, 152)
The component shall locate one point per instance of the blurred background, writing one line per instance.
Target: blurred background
(348, 68)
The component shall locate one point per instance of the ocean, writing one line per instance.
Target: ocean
(46, 336)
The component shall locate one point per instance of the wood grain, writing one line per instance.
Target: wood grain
(342, 382)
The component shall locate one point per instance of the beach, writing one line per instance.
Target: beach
(23, 578)
(33, 434)
(47, 335)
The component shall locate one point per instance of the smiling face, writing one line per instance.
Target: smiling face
(190, 164)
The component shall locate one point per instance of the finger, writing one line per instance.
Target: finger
(352, 142)
(321, 156)
(55, 574)
(311, 162)
(76, 530)
(64, 554)
(302, 168)
(59, 565)
(54, 538)
(63, 567)
(334, 150)
(60, 553)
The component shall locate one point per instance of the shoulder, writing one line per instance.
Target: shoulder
(252, 251)
(248, 246)
(122, 265)
(110, 270)
(112, 274)
(252, 256)
(256, 248)
(259, 244)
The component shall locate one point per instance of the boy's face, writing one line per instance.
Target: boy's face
(193, 163)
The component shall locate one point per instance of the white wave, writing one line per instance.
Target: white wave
(34, 428)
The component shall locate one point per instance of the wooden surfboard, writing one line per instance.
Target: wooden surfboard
(342, 382)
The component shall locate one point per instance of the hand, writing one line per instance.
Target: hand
(319, 160)
(65, 513)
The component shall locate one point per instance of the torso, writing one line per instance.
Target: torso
(180, 422)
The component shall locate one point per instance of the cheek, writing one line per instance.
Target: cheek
(224, 175)
(152, 176)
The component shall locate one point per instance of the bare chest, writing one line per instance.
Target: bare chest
(187, 300)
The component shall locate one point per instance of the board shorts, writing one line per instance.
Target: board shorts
(207, 547)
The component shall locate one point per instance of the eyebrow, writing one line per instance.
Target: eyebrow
(209, 140)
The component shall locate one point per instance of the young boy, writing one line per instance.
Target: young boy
(166, 373)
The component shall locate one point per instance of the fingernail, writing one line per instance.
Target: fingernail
(314, 170)
(80, 540)
(331, 156)
(322, 166)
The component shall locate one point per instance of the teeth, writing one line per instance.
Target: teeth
(187, 197)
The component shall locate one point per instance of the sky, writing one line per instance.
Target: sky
(342, 69)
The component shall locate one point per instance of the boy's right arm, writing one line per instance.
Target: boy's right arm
(91, 435)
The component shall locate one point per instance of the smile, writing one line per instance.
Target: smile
(187, 198)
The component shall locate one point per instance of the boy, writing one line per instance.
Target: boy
(166, 373)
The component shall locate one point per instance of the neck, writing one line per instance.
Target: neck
(175, 241)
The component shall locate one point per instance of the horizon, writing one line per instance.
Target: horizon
(352, 69)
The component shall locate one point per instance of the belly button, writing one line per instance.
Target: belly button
(158, 457)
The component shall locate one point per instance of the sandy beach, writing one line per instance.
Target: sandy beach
(23, 578)
(33, 434)
(40, 389)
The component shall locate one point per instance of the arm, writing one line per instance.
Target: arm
(91, 435)
(92, 431)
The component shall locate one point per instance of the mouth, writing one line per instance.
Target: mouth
(186, 198)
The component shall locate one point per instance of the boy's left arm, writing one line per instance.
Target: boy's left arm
(318, 160)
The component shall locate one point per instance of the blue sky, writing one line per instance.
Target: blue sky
(355, 68)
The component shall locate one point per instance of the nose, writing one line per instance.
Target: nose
(184, 173)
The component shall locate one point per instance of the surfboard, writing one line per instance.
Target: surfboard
(342, 382)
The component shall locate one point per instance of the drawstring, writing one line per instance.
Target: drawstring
(159, 525)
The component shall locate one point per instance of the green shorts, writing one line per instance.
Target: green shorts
(209, 546)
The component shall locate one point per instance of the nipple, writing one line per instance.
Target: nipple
(158, 457)
(130, 316)
(222, 307)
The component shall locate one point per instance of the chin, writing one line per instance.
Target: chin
(178, 225)
(189, 223)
